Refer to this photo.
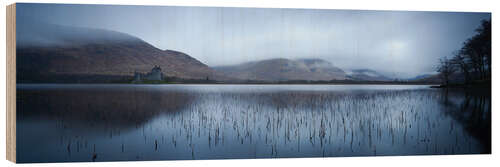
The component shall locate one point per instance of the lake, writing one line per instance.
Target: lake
(106, 122)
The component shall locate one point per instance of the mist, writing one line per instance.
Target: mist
(397, 43)
(33, 33)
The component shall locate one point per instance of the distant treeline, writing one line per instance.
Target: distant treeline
(176, 80)
(472, 62)
(71, 78)
(331, 82)
(80, 78)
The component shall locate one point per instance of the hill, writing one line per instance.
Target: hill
(281, 69)
(57, 53)
(367, 75)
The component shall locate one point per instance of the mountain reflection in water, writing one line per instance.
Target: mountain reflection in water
(165, 122)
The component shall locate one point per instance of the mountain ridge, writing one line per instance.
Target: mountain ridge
(282, 69)
(64, 50)
(365, 74)
(70, 53)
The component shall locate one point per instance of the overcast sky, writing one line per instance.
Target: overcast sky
(397, 43)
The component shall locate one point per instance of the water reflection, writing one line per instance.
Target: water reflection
(473, 111)
(110, 122)
(98, 108)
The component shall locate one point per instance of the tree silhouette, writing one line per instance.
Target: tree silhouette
(461, 62)
(445, 69)
(473, 60)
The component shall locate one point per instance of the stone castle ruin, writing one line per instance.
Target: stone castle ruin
(154, 75)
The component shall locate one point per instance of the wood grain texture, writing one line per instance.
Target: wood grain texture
(11, 83)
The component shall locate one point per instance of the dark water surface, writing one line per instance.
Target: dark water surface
(169, 122)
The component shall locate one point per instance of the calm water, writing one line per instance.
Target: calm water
(170, 122)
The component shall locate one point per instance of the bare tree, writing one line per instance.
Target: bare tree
(473, 60)
(460, 61)
(445, 69)
(484, 36)
(477, 50)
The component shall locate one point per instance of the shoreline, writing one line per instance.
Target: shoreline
(464, 86)
(430, 84)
